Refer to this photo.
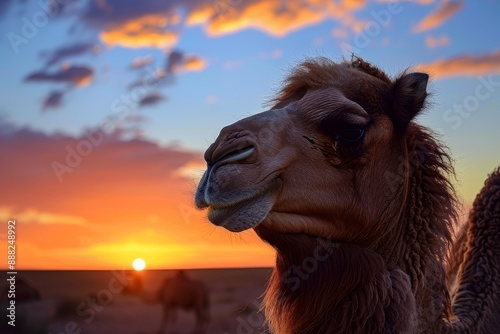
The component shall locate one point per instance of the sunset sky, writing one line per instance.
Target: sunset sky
(106, 107)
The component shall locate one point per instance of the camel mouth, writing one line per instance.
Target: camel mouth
(246, 213)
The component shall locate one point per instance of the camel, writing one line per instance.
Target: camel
(356, 199)
(182, 292)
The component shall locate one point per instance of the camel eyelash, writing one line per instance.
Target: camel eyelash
(343, 131)
(351, 135)
(339, 155)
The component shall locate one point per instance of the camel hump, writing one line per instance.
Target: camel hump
(479, 275)
(182, 291)
(487, 203)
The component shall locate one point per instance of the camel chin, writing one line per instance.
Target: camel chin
(236, 211)
(243, 215)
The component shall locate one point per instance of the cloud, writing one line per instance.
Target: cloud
(119, 181)
(276, 53)
(30, 215)
(421, 2)
(4, 5)
(147, 31)
(178, 61)
(151, 76)
(60, 54)
(465, 65)
(116, 12)
(139, 62)
(174, 60)
(353, 24)
(151, 99)
(435, 42)
(194, 63)
(211, 99)
(158, 23)
(275, 17)
(124, 23)
(232, 64)
(74, 75)
(435, 19)
(135, 118)
(53, 100)
(339, 33)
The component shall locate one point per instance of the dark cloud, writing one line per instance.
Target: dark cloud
(178, 61)
(61, 54)
(174, 61)
(111, 13)
(4, 5)
(153, 77)
(103, 158)
(151, 99)
(75, 75)
(53, 100)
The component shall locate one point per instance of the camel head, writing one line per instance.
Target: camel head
(321, 161)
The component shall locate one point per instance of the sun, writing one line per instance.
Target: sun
(138, 264)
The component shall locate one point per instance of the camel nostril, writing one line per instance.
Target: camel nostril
(237, 154)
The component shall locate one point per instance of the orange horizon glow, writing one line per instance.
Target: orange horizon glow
(100, 220)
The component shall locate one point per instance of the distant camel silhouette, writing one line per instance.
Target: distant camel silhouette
(182, 292)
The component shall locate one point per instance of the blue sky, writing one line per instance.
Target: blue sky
(212, 62)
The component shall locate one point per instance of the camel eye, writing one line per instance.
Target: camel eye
(350, 135)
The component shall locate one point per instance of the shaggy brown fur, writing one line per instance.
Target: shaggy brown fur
(417, 243)
(476, 305)
(356, 199)
(351, 292)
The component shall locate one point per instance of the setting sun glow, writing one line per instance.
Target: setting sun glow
(139, 264)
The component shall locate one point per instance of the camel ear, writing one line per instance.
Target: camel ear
(409, 93)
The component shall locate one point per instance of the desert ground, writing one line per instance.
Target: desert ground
(104, 302)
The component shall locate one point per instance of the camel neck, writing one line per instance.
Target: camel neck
(323, 285)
